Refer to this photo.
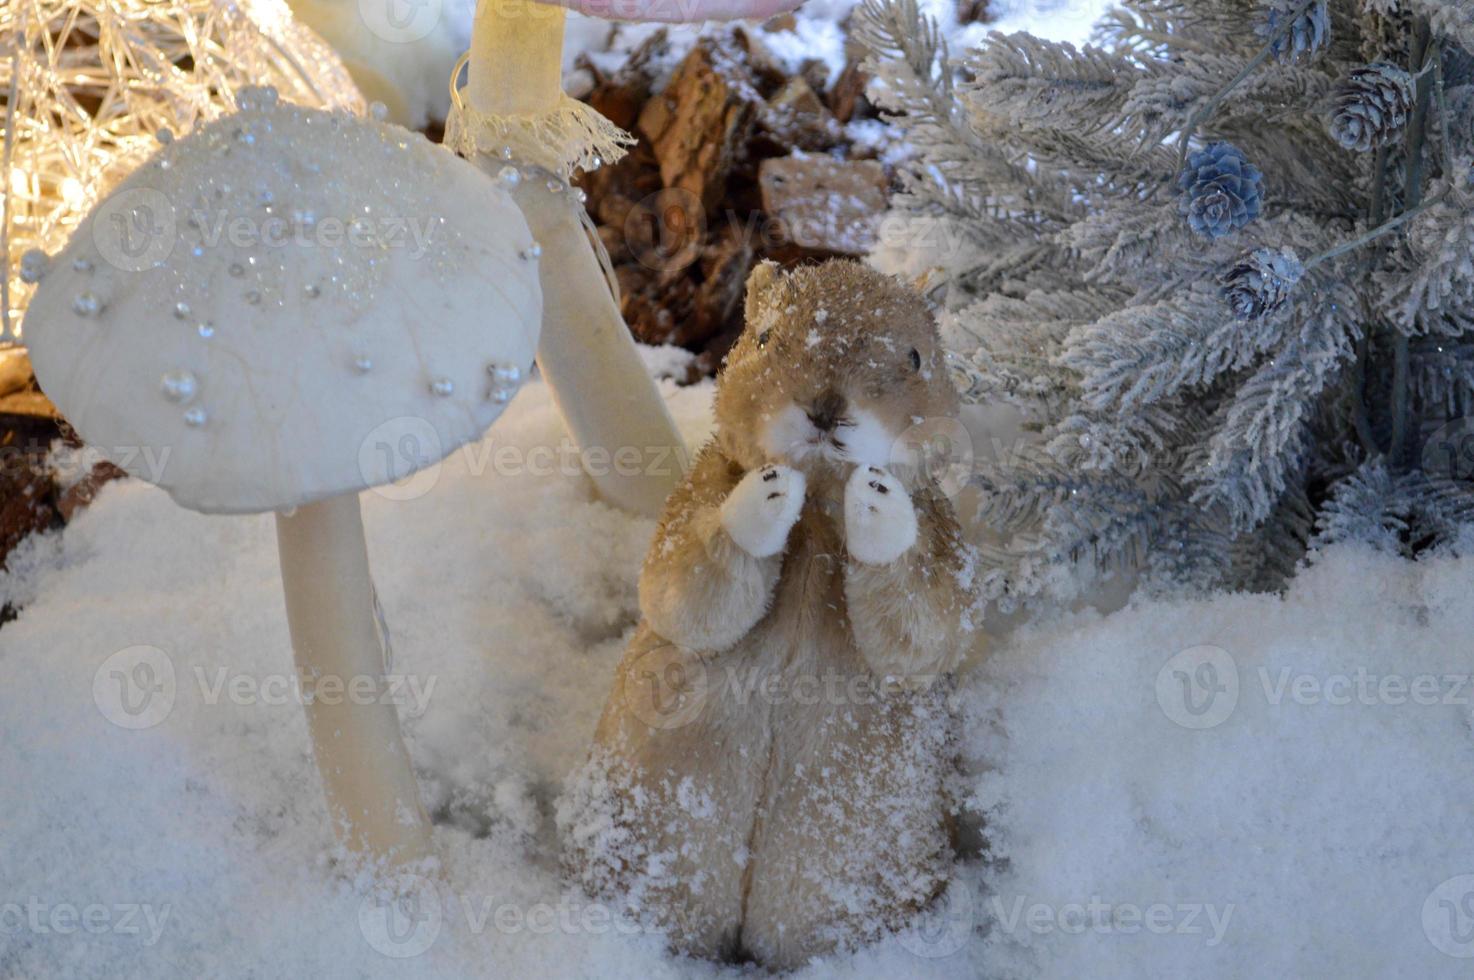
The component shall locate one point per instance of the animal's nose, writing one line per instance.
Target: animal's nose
(826, 410)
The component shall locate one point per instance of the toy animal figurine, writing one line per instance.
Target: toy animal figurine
(769, 778)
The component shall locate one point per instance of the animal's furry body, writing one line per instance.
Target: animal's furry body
(769, 776)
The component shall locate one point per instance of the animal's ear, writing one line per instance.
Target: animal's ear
(764, 276)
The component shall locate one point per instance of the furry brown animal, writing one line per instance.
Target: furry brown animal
(769, 778)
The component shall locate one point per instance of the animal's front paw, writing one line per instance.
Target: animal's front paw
(879, 518)
(761, 509)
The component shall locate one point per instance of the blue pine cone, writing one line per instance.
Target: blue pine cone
(1373, 104)
(1307, 35)
(1261, 281)
(1220, 190)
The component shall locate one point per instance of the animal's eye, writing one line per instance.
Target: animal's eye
(915, 359)
(762, 339)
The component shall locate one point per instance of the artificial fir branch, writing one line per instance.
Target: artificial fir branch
(1412, 194)
(1445, 141)
(1386, 227)
(1204, 393)
(1216, 100)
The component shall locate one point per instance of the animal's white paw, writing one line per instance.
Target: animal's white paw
(761, 509)
(879, 518)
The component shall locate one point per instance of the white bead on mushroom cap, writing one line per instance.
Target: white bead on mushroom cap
(33, 266)
(505, 380)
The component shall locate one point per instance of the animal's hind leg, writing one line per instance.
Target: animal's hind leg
(659, 819)
(857, 839)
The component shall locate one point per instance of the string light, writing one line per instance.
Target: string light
(89, 87)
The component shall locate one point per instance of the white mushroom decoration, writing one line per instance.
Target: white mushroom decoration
(278, 302)
(513, 120)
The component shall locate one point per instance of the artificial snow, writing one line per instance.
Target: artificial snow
(1247, 786)
(817, 32)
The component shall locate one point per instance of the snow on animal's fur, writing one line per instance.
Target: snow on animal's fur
(770, 774)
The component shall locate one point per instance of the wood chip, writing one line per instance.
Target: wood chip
(701, 120)
(824, 206)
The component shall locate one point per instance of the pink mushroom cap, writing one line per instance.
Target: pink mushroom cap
(679, 11)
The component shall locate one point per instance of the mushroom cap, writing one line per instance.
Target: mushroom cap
(685, 12)
(287, 305)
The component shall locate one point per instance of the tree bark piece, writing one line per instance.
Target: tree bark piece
(824, 207)
(701, 120)
(797, 118)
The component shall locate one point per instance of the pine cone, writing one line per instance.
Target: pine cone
(1220, 190)
(1309, 33)
(1372, 106)
(1260, 282)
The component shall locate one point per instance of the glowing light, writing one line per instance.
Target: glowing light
(72, 193)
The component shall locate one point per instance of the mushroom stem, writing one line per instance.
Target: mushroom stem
(608, 401)
(598, 381)
(373, 799)
(516, 65)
